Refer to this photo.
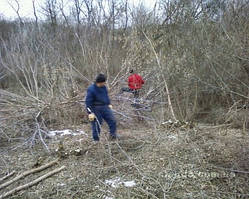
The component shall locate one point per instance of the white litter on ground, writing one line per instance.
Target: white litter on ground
(77, 150)
(109, 197)
(167, 122)
(65, 132)
(129, 183)
(116, 182)
(61, 185)
(172, 137)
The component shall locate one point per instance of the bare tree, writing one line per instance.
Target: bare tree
(113, 19)
(89, 7)
(85, 8)
(17, 10)
(77, 6)
(35, 13)
(62, 5)
(51, 11)
(126, 14)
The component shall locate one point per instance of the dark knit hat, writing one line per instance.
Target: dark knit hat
(100, 78)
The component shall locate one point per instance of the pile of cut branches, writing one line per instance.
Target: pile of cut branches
(4, 184)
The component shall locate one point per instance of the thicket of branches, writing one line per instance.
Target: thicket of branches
(193, 54)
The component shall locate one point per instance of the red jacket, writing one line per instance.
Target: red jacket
(135, 81)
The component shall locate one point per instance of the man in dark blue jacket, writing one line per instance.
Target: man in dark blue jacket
(99, 107)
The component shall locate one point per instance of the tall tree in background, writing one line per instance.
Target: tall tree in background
(16, 9)
(51, 11)
(35, 13)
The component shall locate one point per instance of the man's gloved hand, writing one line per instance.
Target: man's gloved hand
(91, 117)
(110, 106)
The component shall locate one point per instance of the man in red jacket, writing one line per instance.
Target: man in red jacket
(135, 83)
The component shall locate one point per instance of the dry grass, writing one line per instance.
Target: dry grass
(196, 69)
(203, 162)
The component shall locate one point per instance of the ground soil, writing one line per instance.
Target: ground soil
(200, 162)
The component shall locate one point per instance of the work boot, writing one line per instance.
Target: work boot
(136, 106)
(113, 137)
(121, 92)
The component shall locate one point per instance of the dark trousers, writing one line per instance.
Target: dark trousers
(103, 112)
(129, 90)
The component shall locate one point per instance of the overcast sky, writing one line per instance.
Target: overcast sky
(26, 9)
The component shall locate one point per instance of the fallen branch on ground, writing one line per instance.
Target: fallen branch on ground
(7, 176)
(32, 183)
(28, 173)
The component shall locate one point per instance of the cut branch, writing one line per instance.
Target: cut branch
(7, 176)
(36, 181)
(164, 79)
(26, 173)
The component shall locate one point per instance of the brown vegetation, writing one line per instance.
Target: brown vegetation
(193, 55)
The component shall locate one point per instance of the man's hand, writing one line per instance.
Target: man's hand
(91, 117)
(110, 106)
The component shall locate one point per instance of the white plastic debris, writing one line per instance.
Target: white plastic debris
(167, 122)
(65, 132)
(129, 183)
(172, 137)
(116, 182)
(61, 185)
(109, 197)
